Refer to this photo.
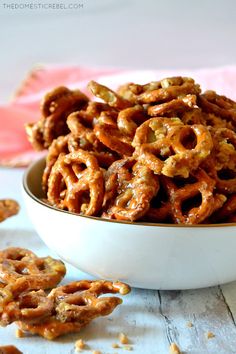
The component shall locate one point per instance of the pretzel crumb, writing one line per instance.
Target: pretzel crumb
(128, 347)
(174, 349)
(123, 338)
(210, 335)
(115, 345)
(79, 345)
(19, 333)
(189, 324)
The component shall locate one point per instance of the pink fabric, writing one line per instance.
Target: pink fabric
(14, 147)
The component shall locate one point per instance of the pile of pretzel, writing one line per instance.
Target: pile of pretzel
(24, 277)
(160, 152)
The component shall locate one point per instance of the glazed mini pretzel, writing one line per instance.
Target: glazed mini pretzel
(8, 208)
(221, 106)
(168, 89)
(51, 329)
(58, 146)
(227, 212)
(16, 254)
(221, 164)
(186, 207)
(55, 108)
(40, 273)
(76, 305)
(76, 183)
(31, 307)
(133, 195)
(173, 107)
(9, 349)
(118, 175)
(192, 116)
(130, 118)
(169, 147)
(110, 135)
(116, 132)
(109, 96)
(81, 302)
(83, 136)
(217, 122)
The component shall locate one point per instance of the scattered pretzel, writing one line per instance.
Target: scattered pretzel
(81, 302)
(40, 273)
(65, 309)
(8, 208)
(31, 307)
(9, 349)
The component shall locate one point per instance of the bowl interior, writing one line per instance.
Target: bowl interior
(33, 179)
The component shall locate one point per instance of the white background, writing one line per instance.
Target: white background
(125, 33)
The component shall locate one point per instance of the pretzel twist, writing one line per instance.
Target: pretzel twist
(166, 146)
(133, 196)
(75, 188)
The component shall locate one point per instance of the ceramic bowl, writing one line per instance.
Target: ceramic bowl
(145, 255)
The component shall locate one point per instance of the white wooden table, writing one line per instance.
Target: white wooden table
(151, 319)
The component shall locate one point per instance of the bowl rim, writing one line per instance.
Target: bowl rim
(32, 196)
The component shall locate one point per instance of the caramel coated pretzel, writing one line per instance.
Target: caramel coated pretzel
(76, 305)
(159, 91)
(113, 138)
(58, 146)
(173, 107)
(221, 164)
(82, 136)
(40, 273)
(133, 195)
(81, 302)
(203, 185)
(227, 212)
(8, 208)
(51, 329)
(109, 96)
(33, 306)
(75, 188)
(221, 106)
(55, 108)
(160, 143)
(9, 349)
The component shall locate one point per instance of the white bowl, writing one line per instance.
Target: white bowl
(145, 255)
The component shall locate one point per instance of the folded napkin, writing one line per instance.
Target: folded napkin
(15, 150)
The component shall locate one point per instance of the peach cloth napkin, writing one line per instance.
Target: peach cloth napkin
(15, 150)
